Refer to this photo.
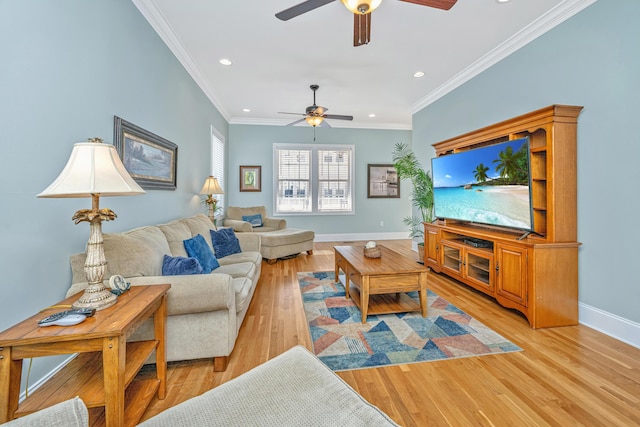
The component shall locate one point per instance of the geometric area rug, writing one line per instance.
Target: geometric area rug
(342, 342)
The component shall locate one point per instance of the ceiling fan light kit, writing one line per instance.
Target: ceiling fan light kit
(361, 13)
(314, 120)
(361, 6)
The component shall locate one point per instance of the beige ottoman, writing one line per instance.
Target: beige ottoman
(286, 242)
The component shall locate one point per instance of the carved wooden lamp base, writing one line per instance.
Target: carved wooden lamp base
(96, 295)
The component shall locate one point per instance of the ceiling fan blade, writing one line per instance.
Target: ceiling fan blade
(361, 29)
(324, 124)
(295, 123)
(337, 117)
(301, 8)
(438, 4)
(296, 114)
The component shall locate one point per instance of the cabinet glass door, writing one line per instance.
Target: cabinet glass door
(479, 267)
(452, 258)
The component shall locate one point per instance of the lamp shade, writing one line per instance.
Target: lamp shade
(361, 6)
(93, 168)
(211, 186)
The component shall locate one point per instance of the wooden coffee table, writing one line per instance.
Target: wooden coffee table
(379, 285)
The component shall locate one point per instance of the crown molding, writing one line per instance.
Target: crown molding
(156, 19)
(546, 22)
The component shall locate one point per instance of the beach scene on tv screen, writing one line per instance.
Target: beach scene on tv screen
(488, 185)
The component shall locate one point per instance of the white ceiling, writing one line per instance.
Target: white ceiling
(275, 62)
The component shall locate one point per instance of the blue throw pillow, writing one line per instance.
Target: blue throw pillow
(225, 242)
(254, 220)
(197, 248)
(175, 266)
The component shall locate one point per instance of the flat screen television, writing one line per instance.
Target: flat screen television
(488, 185)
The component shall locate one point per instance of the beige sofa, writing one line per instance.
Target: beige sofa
(292, 389)
(277, 241)
(205, 311)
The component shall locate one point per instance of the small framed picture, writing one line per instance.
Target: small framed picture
(150, 159)
(382, 182)
(250, 178)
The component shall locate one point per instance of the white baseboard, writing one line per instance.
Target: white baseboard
(360, 236)
(610, 324)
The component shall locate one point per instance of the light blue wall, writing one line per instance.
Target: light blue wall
(592, 60)
(69, 66)
(253, 145)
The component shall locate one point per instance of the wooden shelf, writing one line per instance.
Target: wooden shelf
(386, 303)
(137, 398)
(484, 268)
(83, 377)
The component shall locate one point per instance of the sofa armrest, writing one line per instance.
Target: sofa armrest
(197, 293)
(72, 412)
(277, 223)
(240, 226)
(249, 242)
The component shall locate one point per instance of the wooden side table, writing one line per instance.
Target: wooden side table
(105, 367)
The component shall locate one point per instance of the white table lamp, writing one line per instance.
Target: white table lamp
(94, 169)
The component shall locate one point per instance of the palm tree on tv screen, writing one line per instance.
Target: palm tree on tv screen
(480, 172)
(513, 167)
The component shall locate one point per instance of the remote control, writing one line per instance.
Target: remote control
(62, 319)
(88, 312)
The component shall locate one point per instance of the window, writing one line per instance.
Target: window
(217, 162)
(313, 179)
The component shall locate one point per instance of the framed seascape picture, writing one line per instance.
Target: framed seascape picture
(382, 182)
(150, 159)
(250, 178)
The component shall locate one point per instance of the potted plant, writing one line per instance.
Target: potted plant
(409, 167)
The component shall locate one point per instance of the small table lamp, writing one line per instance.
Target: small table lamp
(211, 187)
(93, 170)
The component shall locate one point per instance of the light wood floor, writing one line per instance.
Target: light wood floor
(567, 376)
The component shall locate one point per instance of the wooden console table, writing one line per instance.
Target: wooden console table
(390, 274)
(105, 367)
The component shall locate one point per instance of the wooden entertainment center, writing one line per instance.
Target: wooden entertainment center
(536, 274)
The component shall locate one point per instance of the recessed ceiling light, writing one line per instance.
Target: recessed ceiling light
(225, 61)
(246, 110)
(502, 1)
(418, 74)
(372, 115)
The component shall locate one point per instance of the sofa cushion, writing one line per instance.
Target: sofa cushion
(254, 220)
(134, 253)
(177, 266)
(239, 269)
(197, 248)
(199, 224)
(242, 288)
(225, 242)
(252, 257)
(176, 233)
